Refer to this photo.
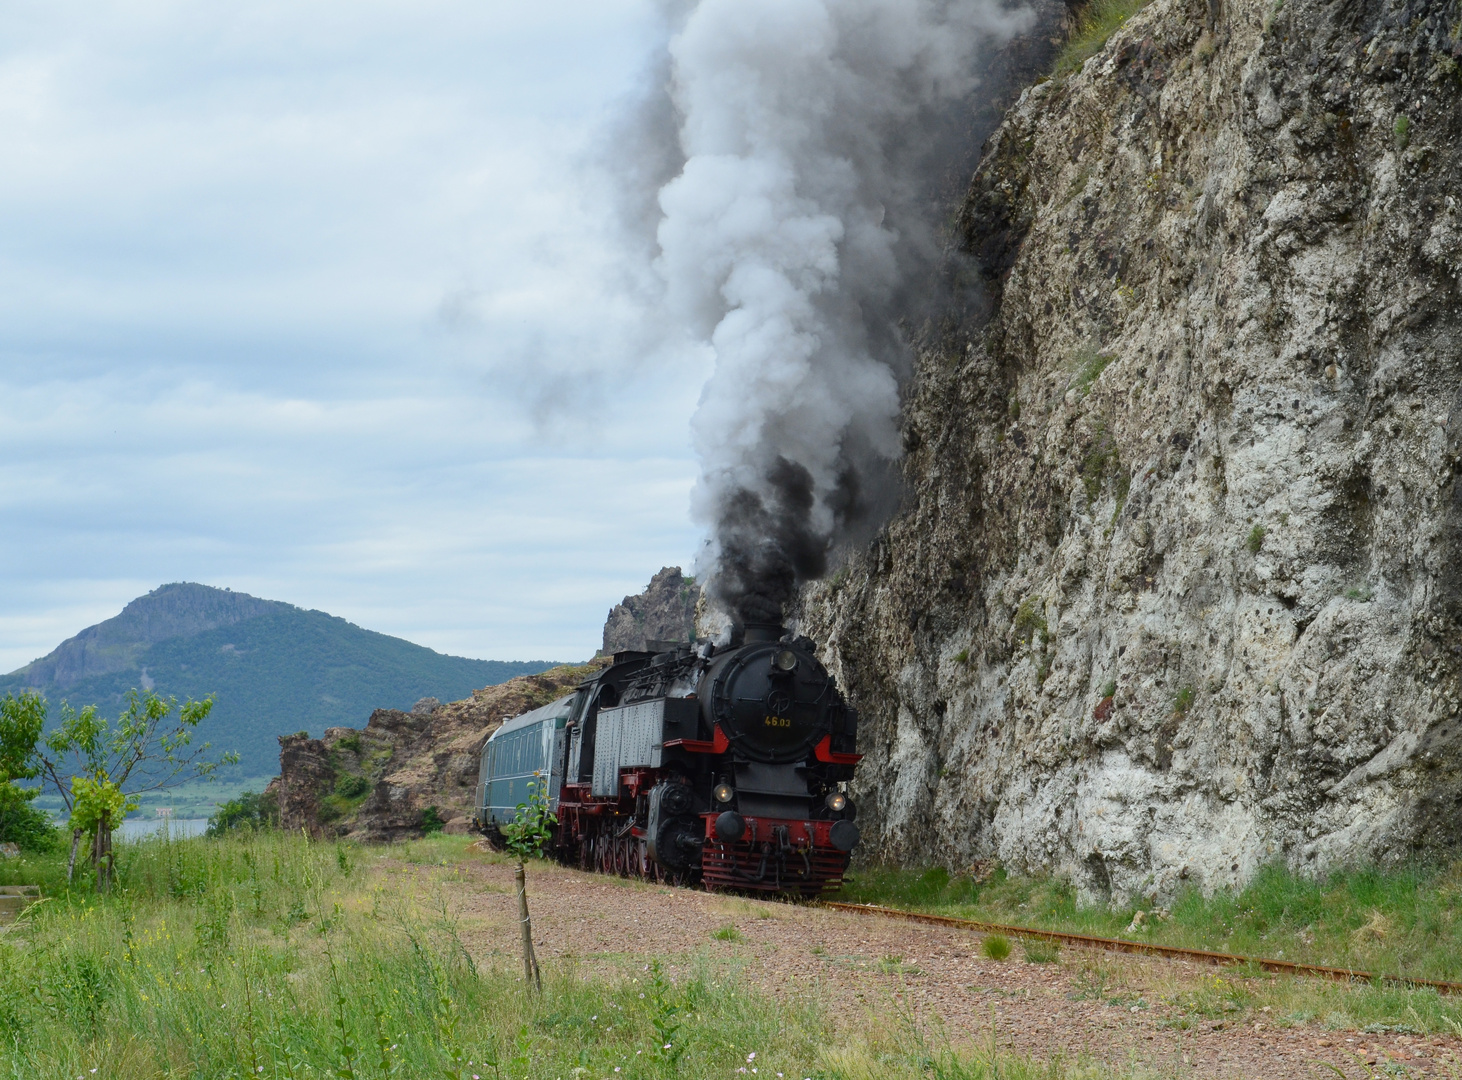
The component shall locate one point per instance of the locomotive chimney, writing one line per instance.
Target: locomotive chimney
(758, 631)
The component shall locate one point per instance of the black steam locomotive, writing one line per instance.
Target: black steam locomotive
(724, 766)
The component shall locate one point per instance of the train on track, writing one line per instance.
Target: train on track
(721, 766)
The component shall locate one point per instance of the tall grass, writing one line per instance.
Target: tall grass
(266, 955)
(1096, 21)
(1405, 921)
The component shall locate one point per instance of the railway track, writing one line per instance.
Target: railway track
(1172, 952)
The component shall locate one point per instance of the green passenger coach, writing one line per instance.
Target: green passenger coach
(524, 747)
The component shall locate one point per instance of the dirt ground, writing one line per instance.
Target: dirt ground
(1092, 1004)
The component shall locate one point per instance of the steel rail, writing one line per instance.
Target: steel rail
(1172, 952)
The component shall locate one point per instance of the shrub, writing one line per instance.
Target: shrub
(1256, 539)
(432, 820)
(24, 825)
(249, 811)
(352, 786)
(1183, 702)
(1042, 952)
(1029, 622)
(1402, 131)
(996, 946)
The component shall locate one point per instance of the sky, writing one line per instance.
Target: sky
(322, 301)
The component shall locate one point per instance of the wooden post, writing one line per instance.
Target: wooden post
(531, 975)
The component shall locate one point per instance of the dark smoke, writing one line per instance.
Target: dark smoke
(818, 142)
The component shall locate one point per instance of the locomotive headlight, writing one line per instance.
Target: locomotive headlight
(722, 792)
(836, 801)
(785, 661)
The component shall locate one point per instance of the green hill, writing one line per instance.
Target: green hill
(274, 668)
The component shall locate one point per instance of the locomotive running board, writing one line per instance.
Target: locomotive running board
(718, 745)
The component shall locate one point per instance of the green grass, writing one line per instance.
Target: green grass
(1041, 952)
(266, 955)
(727, 933)
(1406, 921)
(996, 946)
(1097, 21)
(1090, 362)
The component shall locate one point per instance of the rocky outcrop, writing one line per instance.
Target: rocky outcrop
(378, 782)
(1177, 589)
(665, 611)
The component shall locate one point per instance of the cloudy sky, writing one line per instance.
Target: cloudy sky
(318, 300)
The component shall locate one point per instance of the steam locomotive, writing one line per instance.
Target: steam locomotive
(726, 767)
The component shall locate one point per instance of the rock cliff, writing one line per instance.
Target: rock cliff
(377, 783)
(665, 611)
(1177, 586)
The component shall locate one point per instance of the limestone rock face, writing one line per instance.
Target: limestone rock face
(665, 611)
(1177, 589)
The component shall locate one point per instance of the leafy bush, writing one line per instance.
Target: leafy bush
(22, 824)
(250, 810)
(352, 786)
(532, 826)
(431, 820)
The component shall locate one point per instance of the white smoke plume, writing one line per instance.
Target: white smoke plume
(802, 216)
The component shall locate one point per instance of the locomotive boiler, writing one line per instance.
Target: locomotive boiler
(726, 766)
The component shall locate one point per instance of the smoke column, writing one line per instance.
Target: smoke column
(789, 241)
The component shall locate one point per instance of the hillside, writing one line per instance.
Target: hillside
(276, 669)
(1176, 589)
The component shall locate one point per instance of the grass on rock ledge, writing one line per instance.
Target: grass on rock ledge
(1406, 921)
(1096, 22)
(266, 955)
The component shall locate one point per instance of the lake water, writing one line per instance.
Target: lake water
(141, 828)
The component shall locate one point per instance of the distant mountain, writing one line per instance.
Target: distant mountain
(275, 669)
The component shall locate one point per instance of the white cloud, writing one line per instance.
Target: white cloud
(287, 292)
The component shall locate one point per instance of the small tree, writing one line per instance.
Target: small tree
(101, 767)
(250, 810)
(21, 722)
(525, 836)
